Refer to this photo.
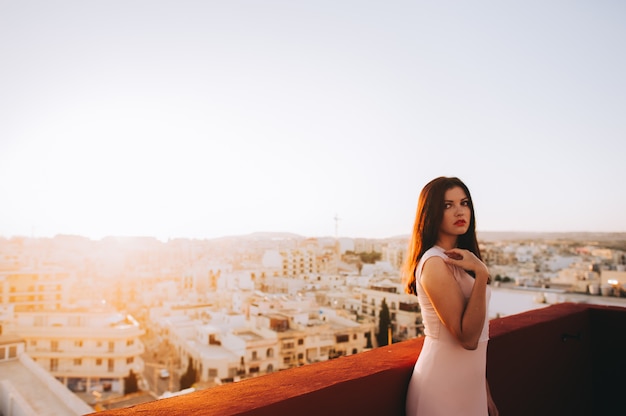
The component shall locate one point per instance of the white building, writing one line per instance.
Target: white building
(403, 308)
(27, 390)
(299, 262)
(394, 254)
(579, 276)
(34, 290)
(276, 332)
(86, 350)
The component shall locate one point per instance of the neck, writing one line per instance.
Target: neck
(446, 242)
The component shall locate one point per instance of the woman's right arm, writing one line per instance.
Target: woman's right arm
(465, 320)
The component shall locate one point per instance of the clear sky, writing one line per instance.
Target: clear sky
(208, 118)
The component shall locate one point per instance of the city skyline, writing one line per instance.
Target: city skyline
(208, 119)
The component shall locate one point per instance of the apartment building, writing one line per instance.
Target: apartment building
(257, 349)
(299, 262)
(34, 289)
(26, 389)
(274, 333)
(403, 308)
(394, 254)
(84, 349)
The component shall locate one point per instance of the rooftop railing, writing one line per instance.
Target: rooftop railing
(565, 359)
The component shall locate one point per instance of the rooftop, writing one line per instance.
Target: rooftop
(29, 390)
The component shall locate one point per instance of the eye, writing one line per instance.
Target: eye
(465, 203)
(447, 205)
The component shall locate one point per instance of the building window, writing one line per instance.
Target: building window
(2, 353)
(212, 372)
(300, 341)
(54, 364)
(78, 344)
(111, 366)
(111, 346)
(54, 346)
(270, 352)
(98, 361)
(130, 360)
(78, 362)
(130, 342)
(254, 355)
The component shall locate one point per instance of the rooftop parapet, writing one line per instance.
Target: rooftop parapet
(565, 359)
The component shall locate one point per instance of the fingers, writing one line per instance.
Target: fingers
(465, 259)
(453, 255)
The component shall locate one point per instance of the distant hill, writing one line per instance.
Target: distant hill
(574, 236)
(615, 240)
(488, 236)
(482, 235)
(265, 235)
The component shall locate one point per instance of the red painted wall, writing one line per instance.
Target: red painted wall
(566, 359)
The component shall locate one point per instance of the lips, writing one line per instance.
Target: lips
(460, 223)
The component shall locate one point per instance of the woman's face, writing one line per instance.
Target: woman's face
(456, 212)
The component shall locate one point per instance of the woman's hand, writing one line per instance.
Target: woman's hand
(466, 260)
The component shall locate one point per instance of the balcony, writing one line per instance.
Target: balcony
(566, 359)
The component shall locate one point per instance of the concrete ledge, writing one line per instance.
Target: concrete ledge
(542, 362)
(372, 382)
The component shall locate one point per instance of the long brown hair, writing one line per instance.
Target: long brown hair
(428, 219)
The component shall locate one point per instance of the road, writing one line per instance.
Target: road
(158, 356)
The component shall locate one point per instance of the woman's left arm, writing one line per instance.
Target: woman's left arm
(491, 406)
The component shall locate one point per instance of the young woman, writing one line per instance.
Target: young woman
(444, 269)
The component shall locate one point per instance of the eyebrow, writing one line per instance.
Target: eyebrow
(462, 199)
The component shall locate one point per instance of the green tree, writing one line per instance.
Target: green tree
(384, 322)
(189, 378)
(130, 383)
(371, 257)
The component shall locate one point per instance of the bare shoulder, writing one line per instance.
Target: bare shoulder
(436, 273)
(444, 293)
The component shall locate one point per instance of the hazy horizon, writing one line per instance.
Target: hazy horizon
(506, 235)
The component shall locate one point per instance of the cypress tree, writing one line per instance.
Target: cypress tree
(130, 383)
(189, 378)
(384, 321)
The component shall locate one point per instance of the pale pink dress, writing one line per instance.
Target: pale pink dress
(447, 379)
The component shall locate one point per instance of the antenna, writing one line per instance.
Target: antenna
(336, 226)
